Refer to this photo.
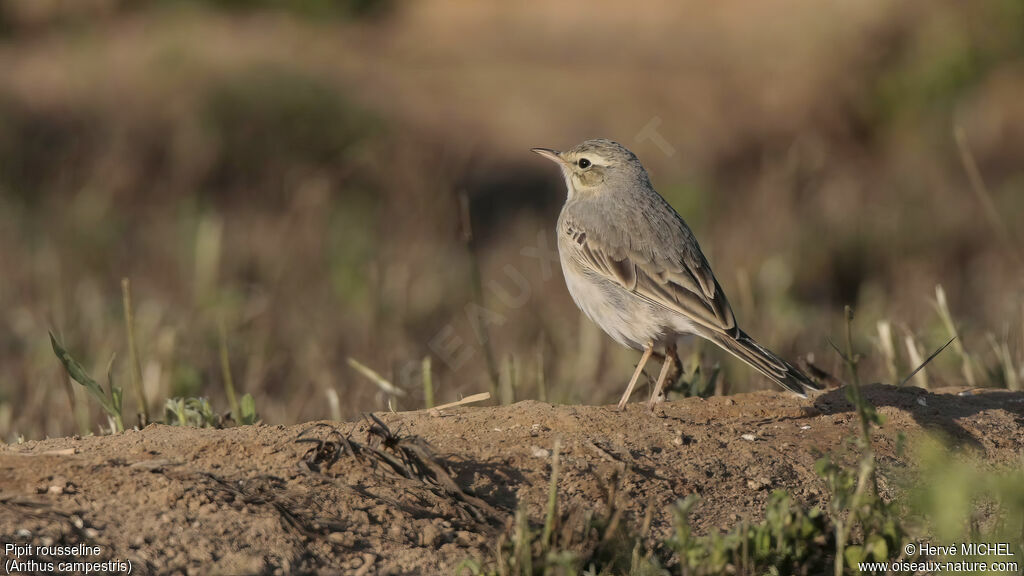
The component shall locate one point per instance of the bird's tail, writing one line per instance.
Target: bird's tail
(765, 361)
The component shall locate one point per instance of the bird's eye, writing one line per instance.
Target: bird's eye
(583, 163)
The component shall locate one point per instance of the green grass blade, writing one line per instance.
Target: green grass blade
(79, 374)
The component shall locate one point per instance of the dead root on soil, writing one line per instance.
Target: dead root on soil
(409, 457)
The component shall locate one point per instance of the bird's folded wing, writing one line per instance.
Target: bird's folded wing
(681, 281)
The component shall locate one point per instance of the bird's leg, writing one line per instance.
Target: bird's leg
(639, 369)
(657, 396)
(677, 368)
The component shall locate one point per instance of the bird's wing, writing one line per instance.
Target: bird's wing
(676, 277)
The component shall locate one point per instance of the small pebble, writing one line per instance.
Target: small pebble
(345, 539)
(758, 483)
(429, 536)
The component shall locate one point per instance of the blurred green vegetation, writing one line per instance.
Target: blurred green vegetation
(273, 127)
(310, 8)
(19, 16)
(945, 57)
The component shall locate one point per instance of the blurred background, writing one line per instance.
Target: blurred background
(334, 180)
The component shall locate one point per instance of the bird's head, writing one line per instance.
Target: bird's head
(597, 166)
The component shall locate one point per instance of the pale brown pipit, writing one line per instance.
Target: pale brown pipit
(634, 267)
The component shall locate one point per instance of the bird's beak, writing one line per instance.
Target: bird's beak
(550, 154)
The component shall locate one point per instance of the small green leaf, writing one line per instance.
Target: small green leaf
(824, 467)
(891, 530)
(248, 410)
(854, 555)
(878, 547)
(174, 410)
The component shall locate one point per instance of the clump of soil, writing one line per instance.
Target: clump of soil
(418, 492)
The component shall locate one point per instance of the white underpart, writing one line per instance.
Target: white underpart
(629, 320)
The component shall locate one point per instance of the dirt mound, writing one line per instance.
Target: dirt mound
(418, 492)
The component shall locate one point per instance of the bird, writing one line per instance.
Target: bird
(634, 267)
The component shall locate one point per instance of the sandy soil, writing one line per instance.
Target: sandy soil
(332, 498)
